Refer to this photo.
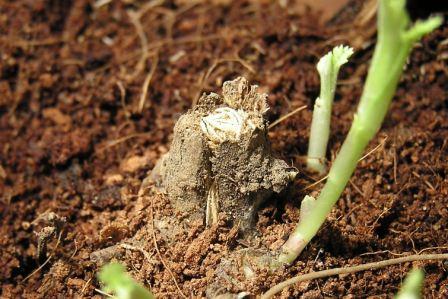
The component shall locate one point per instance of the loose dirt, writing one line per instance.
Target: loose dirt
(74, 146)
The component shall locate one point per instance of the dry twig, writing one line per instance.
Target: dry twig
(349, 270)
(286, 116)
(123, 139)
(123, 98)
(365, 156)
(104, 293)
(85, 286)
(145, 253)
(135, 20)
(134, 17)
(382, 143)
(146, 83)
(158, 251)
(47, 260)
(314, 184)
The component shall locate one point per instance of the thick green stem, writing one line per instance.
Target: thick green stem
(392, 49)
(339, 174)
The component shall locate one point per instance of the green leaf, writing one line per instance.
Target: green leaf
(412, 285)
(123, 286)
(421, 28)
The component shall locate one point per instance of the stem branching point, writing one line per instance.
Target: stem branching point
(395, 40)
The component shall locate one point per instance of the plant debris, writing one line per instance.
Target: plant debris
(220, 158)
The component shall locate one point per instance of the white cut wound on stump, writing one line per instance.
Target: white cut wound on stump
(225, 124)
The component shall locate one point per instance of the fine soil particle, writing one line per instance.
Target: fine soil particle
(74, 143)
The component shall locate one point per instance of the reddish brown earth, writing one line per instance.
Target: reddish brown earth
(73, 142)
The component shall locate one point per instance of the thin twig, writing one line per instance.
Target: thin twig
(104, 293)
(170, 42)
(148, 6)
(76, 249)
(145, 253)
(172, 15)
(48, 259)
(286, 116)
(100, 3)
(86, 285)
(135, 17)
(158, 251)
(378, 218)
(357, 188)
(374, 149)
(314, 184)
(349, 270)
(146, 83)
(123, 98)
(383, 251)
(123, 139)
(365, 156)
(135, 20)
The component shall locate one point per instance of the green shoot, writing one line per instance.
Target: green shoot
(412, 285)
(123, 286)
(395, 41)
(328, 68)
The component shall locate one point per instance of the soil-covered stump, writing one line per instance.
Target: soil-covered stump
(220, 159)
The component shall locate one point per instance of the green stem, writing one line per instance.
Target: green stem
(392, 49)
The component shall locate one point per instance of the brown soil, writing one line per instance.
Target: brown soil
(73, 142)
